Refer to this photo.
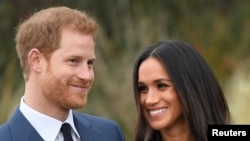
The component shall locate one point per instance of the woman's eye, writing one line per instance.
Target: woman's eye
(142, 89)
(162, 86)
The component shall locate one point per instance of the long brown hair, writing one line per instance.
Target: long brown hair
(199, 92)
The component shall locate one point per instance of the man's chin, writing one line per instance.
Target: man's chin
(77, 105)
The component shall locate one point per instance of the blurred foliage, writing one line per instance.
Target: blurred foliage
(219, 29)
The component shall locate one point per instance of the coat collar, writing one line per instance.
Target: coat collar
(84, 128)
(17, 124)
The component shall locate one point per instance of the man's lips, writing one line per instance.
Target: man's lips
(81, 87)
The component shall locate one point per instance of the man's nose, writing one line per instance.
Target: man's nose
(85, 73)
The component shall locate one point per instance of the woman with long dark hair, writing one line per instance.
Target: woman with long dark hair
(176, 94)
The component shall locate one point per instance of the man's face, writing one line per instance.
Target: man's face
(69, 75)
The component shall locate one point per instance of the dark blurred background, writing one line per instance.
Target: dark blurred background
(218, 29)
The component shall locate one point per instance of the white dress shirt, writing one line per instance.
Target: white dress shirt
(47, 127)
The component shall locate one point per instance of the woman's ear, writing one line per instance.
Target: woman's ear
(35, 60)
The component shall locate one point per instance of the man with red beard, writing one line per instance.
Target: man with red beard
(57, 53)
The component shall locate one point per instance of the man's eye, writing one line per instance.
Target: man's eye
(91, 64)
(73, 61)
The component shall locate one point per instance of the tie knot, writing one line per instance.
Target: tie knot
(66, 130)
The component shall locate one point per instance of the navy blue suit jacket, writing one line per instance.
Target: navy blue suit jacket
(90, 128)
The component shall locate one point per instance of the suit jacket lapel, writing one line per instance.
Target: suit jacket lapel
(84, 128)
(22, 129)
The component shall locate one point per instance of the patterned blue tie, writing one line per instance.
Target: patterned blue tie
(66, 130)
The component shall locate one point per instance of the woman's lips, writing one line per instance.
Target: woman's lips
(157, 112)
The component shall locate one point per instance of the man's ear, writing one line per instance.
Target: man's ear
(35, 60)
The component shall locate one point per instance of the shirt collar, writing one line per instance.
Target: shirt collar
(46, 126)
(70, 120)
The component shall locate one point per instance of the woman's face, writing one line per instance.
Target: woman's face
(158, 98)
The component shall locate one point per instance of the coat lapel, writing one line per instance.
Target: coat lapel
(84, 128)
(21, 128)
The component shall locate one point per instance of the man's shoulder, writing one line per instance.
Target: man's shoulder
(107, 127)
(5, 132)
(4, 128)
(93, 118)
